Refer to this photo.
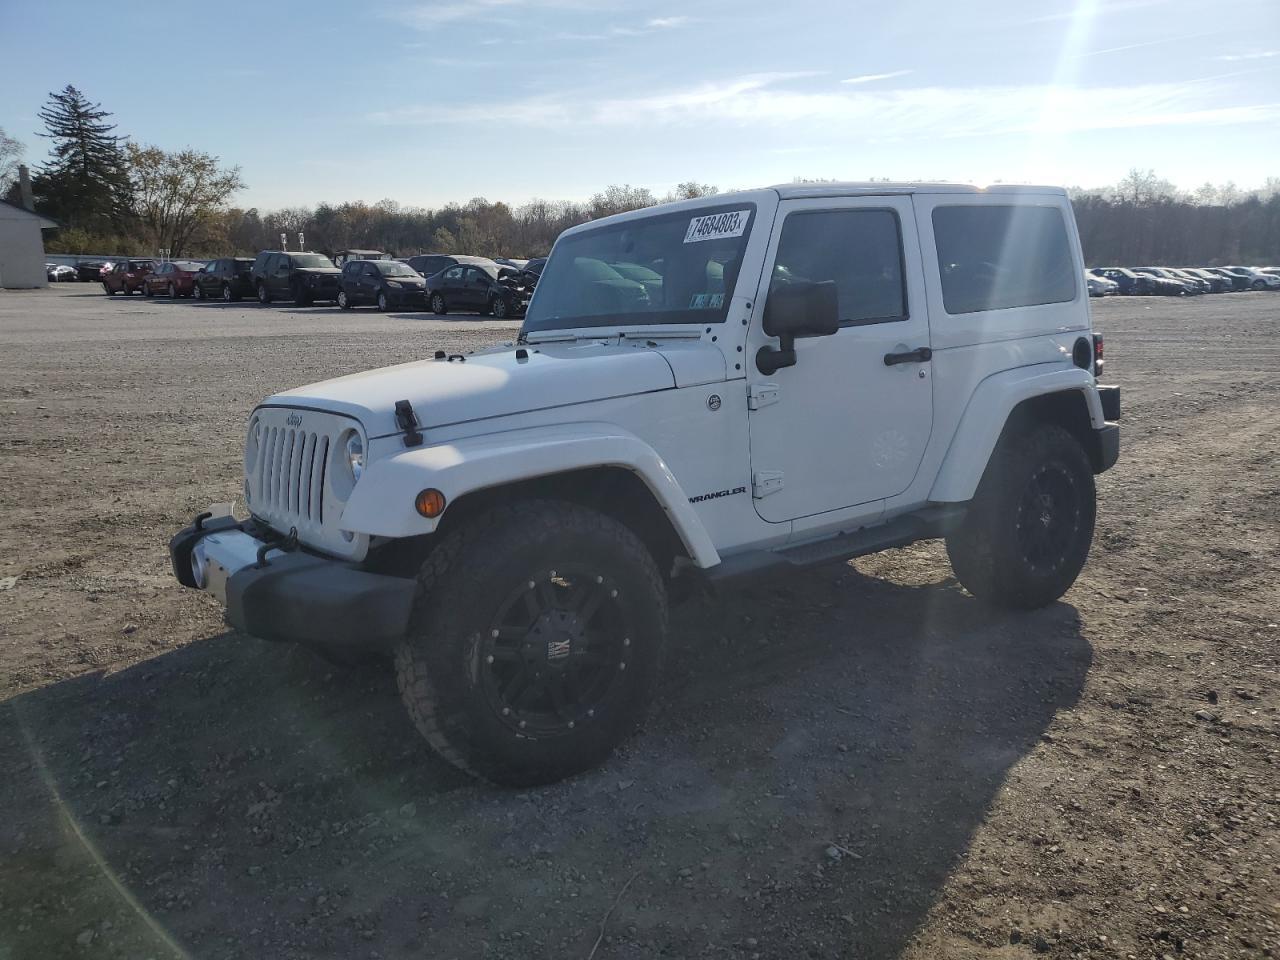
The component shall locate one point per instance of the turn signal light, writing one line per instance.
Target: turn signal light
(429, 503)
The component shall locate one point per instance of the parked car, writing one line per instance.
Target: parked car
(1238, 281)
(483, 287)
(173, 278)
(508, 262)
(384, 283)
(1131, 284)
(301, 277)
(340, 259)
(1100, 286)
(518, 558)
(1200, 283)
(1217, 283)
(127, 276)
(429, 264)
(1257, 279)
(59, 273)
(89, 271)
(228, 279)
(1167, 285)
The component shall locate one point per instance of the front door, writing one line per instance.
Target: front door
(848, 424)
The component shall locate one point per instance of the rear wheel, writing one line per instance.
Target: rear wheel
(536, 644)
(438, 305)
(147, 291)
(1027, 534)
(107, 290)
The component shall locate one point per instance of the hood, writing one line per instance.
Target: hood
(487, 385)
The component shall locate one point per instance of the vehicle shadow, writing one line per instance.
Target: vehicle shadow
(822, 750)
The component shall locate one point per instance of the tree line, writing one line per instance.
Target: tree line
(115, 196)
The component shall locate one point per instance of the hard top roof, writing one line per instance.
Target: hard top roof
(792, 191)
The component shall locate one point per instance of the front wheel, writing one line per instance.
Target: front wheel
(438, 305)
(173, 292)
(147, 290)
(382, 301)
(343, 302)
(107, 290)
(1027, 534)
(498, 307)
(227, 294)
(536, 642)
(197, 291)
(264, 295)
(1259, 285)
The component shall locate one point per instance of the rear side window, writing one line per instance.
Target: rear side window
(997, 257)
(860, 250)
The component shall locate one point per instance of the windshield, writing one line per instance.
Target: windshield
(311, 260)
(672, 268)
(394, 268)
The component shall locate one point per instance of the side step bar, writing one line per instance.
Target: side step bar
(927, 524)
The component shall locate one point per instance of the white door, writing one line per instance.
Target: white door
(849, 422)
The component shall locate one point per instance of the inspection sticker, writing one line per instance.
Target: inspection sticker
(717, 226)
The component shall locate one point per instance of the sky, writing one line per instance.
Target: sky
(430, 101)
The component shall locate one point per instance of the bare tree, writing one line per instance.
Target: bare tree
(10, 156)
(176, 194)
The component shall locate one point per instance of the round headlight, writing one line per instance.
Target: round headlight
(355, 454)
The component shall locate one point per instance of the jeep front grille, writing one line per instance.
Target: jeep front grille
(291, 472)
(289, 477)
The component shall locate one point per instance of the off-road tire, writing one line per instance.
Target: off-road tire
(438, 306)
(1039, 475)
(439, 667)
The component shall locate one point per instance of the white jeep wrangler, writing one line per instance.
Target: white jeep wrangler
(701, 391)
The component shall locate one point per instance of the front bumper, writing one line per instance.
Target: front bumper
(292, 596)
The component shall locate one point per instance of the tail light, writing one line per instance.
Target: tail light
(1097, 355)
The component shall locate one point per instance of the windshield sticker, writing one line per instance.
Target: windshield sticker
(717, 226)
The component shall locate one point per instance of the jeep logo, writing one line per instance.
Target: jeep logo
(295, 420)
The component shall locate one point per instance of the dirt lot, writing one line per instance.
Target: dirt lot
(858, 762)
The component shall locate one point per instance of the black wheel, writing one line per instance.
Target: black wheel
(147, 291)
(536, 642)
(343, 302)
(1029, 527)
(498, 307)
(173, 292)
(438, 305)
(197, 291)
(227, 295)
(264, 295)
(107, 290)
(1259, 285)
(382, 301)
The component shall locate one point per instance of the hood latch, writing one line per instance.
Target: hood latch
(407, 420)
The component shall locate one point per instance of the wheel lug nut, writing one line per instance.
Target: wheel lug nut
(591, 713)
(506, 711)
(626, 641)
(489, 658)
(599, 579)
(613, 593)
(494, 634)
(570, 724)
(553, 574)
(622, 666)
(523, 724)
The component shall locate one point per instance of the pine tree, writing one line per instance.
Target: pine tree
(85, 183)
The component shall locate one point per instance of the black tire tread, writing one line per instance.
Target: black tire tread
(976, 549)
(500, 530)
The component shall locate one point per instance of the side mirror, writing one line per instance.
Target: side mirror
(802, 309)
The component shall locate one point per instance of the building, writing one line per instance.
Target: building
(22, 247)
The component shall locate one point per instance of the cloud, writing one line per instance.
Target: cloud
(432, 15)
(773, 101)
(873, 77)
(1093, 10)
(1263, 55)
(666, 23)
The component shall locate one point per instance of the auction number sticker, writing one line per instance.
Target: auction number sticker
(717, 226)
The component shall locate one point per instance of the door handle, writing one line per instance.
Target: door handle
(918, 355)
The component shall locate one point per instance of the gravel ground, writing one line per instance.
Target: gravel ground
(858, 761)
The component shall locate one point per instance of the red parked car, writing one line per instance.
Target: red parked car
(126, 276)
(174, 278)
